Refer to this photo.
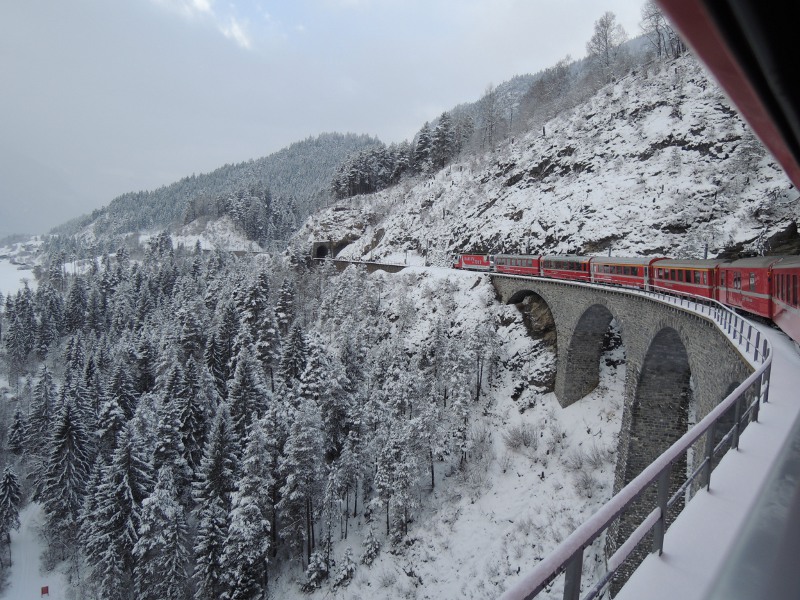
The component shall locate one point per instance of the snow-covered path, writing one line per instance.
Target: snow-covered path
(26, 579)
(698, 542)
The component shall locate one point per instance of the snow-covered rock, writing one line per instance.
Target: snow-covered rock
(656, 163)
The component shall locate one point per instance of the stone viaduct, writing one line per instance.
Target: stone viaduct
(677, 363)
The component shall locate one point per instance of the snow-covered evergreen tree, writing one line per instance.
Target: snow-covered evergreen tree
(212, 495)
(301, 466)
(116, 517)
(10, 497)
(66, 470)
(248, 543)
(161, 553)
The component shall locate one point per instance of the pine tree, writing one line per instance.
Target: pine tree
(16, 434)
(117, 516)
(196, 406)
(248, 543)
(9, 506)
(161, 553)
(76, 305)
(66, 470)
(293, 359)
(301, 467)
(284, 307)
(247, 395)
(169, 450)
(212, 495)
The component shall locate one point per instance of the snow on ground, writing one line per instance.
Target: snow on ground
(697, 543)
(12, 277)
(512, 503)
(221, 233)
(26, 578)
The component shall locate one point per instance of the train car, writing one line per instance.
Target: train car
(518, 264)
(631, 272)
(473, 262)
(786, 295)
(568, 266)
(747, 284)
(698, 277)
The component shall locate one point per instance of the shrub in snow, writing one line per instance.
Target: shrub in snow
(346, 571)
(316, 573)
(521, 434)
(372, 547)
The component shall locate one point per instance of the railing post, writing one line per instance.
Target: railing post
(765, 379)
(572, 577)
(757, 344)
(709, 454)
(663, 497)
(749, 333)
(762, 391)
(737, 411)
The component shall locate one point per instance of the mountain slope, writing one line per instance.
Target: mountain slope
(301, 172)
(656, 163)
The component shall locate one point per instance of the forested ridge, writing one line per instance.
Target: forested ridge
(282, 189)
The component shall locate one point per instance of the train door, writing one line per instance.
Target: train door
(723, 286)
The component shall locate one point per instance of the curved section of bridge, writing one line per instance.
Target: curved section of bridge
(679, 363)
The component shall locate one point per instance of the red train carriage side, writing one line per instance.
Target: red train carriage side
(631, 272)
(518, 264)
(567, 267)
(786, 296)
(473, 262)
(698, 277)
(747, 284)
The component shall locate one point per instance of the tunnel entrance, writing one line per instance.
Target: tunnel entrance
(321, 251)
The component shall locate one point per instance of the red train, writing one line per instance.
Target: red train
(765, 286)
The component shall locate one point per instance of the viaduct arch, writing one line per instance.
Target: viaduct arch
(677, 363)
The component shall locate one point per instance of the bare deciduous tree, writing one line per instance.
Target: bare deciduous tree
(603, 46)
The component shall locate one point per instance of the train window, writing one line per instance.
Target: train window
(752, 281)
(697, 277)
(794, 287)
(660, 273)
(705, 278)
(635, 271)
(722, 278)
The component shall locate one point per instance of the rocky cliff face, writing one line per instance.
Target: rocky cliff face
(656, 163)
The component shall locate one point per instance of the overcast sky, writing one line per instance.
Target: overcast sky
(102, 97)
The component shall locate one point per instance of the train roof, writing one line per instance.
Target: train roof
(624, 260)
(705, 263)
(756, 262)
(567, 257)
(788, 262)
(536, 256)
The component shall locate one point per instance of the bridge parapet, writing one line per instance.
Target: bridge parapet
(678, 363)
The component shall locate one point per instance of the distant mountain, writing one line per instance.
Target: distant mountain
(296, 179)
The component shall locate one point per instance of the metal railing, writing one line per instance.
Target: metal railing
(745, 401)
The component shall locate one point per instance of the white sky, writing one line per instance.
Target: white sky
(99, 98)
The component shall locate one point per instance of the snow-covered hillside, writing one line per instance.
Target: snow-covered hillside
(656, 163)
(534, 470)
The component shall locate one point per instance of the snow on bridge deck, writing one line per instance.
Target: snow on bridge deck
(699, 542)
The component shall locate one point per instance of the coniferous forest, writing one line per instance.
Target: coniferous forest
(192, 420)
